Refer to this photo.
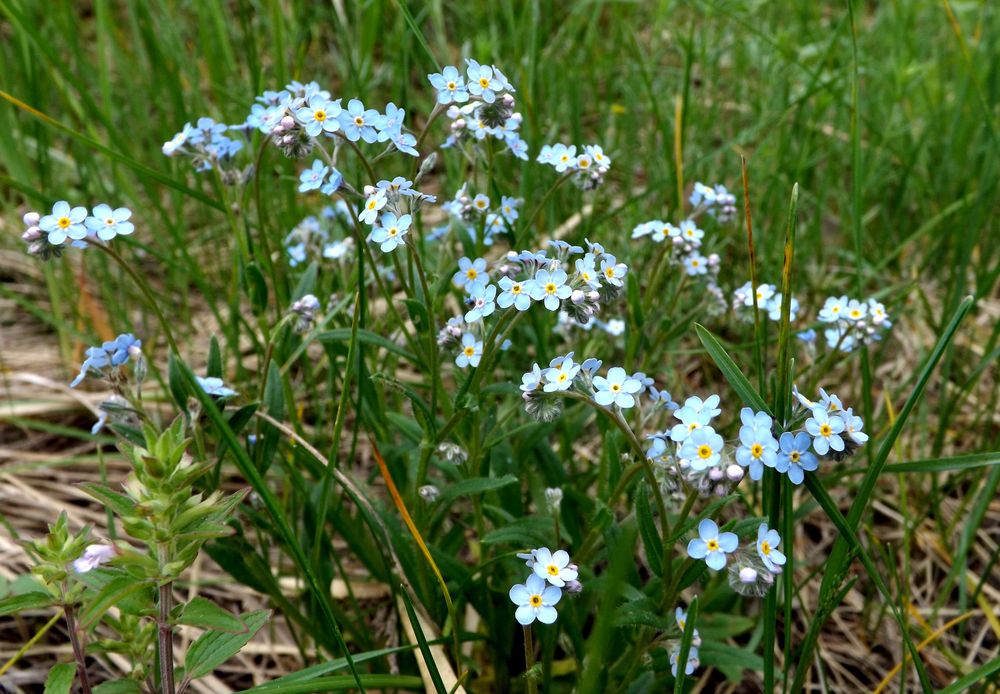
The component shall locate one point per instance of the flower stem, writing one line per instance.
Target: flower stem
(78, 652)
(529, 661)
(143, 287)
(165, 633)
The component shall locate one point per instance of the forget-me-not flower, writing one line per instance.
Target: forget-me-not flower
(450, 86)
(214, 386)
(825, 430)
(472, 351)
(513, 293)
(617, 389)
(550, 288)
(481, 299)
(108, 223)
(358, 123)
(319, 115)
(794, 457)
(389, 234)
(702, 449)
(535, 599)
(64, 222)
(553, 567)
(711, 545)
(468, 271)
(375, 202)
(767, 542)
(313, 177)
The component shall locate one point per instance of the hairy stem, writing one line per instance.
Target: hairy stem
(78, 651)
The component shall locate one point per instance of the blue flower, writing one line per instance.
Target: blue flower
(472, 351)
(468, 271)
(375, 202)
(390, 233)
(406, 143)
(397, 186)
(767, 541)
(482, 81)
(481, 203)
(612, 270)
(481, 299)
(532, 380)
(64, 222)
(807, 336)
(702, 449)
(535, 600)
(695, 264)
(514, 294)
(319, 115)
(108, 223)
(825, 430)
(358, 123)
(113, 353)
(296, 254)
(561, 373)
(550, 287)
(795, 457)
(450, 86)
(207, 130)
(711, 545)
(853, 426)
(333, 184)
(390, 126)
(214, 386)
(313, 178)
(617, 389)
(692, 661)
(508, 208)
(757, 446)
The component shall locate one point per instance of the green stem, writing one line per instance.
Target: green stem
(78, 652)
(165, 635)
(529, 661)
(143, 287)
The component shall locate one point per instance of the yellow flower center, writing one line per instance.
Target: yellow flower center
(756, 450)
(584, 163)
(515, 289)
(564, 157)
(794, 456)
(765, 548)
(615, 387)
(359, 121)
(371, 204)
(692, 426)
(469, 351)
(552, 570)
(610, 272)
(695, 263)
(109, 221)
(713, 545)
(563, 376)
(452, 86)
(63, 222)
(704, 451)
(319, 115)
(393, 231)
(681, 623)
(825, 430)
(471, 273)
(855, 313)
(484, 82)
(535, 601)
(835, 309)
(550, 288)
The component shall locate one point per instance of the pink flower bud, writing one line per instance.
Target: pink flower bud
(31, 219)
(748, 575)
(287, 122)
(734, 473)
(31, 234)
(715, 474)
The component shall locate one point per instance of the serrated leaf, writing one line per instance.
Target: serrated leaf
(111, 594)
(213, 648)
(25, 601)
(203, 613)
(60, 679)
(124, 686)
(476, 485)
(119, 503)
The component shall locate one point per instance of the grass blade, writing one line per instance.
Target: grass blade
(733, 373)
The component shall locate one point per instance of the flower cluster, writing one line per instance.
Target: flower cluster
(480, 106)
(768, 300)
(551, 574)
(853, 322)
(47, 235)
(113, 354)
(394, 200)
(206, 143)
(716, 201)
(315, 236)
(474, 215)
(751, 571)
(588, 168)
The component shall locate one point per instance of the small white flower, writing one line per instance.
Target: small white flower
(535, 600)
(616, 389)
(553, 567)
(94, 556)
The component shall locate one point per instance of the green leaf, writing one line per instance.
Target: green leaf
(732, 373)
(116, 590)
(214, 368)
(955, 463)
(525, 532)
(307, 283)
(176, 382)
(205, 614)
(274, 394)
(422, 642)
(119, 503)
(366, 336)
(650, 534)
(476, 485)
(256, 287)
(123, 686)
(60, 679)
(636, 614)
(964, 684)
(686, 638)
(213, 648)
(730, 659)
(25, 601)
(343, 683)
(418, 313)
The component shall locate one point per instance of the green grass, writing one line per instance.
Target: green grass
(882, 117)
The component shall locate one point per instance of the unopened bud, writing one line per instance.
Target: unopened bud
(429, 493)
(554, 497)
(31, 219)
(748, 575)
(577, 297)
(508, 100)
(715, 474)
(31, 234)
(734, 473)
(287, 122)
(573, 587)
